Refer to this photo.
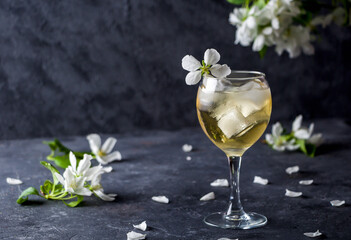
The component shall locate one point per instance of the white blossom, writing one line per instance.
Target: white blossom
(210, 66)
(304, 133)
(103, 153)
(72, 183)
(277, 142)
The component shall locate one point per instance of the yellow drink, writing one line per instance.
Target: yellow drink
(236, 117)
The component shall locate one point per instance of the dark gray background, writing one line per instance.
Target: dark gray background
(76, 67)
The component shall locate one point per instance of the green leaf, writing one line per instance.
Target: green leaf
(52, 169)
(263, 51)
(74, 203)
(46, 187)
(24, 195)
(236, 2)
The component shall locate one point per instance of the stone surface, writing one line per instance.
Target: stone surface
(74, 67)
(154, 164)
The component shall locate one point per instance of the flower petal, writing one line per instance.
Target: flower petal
(302, 133)
(220, 71)
(73, 161)
(107, 169)
(160, 199)
(260, 180)
(337, 203)
(277, 129)
(13, 181)
(116, 155)
(297, 123)
(83, 192)
(103, 196)
(316, 139)
(187, 148)
(190, 63)
(208, 197)
(313, 234)
(92, 172)
(60, 178)
(279, 148)
(289, 193)
(108, 145)
(135, 236)
(291, 170)
(84, 164)
(101, 160)
(220, 183)
(258, 43)
(94, 142)
(193, 78)
(142, 226)
(269, 138)
(306, 182)
(211, 56)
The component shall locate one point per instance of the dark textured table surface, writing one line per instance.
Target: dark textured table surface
(154, 164)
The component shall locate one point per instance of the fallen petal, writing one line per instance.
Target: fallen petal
(107, 169)
(188, 158)
(220, 183)
(160, 199)
(291, 170)
(260, 180)
(135, 236)
(289, 193)
(142, 226)
(13, 181)
(187, 148)
(208, 196)
(337, 203)
(313, 234)
(306, 182)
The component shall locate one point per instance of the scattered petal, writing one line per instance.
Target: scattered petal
(135, 236)
(260, 180)
(142, 226)
(208, 196)
(289, 193)
(187, 148)
(337, 203)
(107, 169)
(13, 181)
(306, 182)
(313, 234)
(291, 170)
(160, 199)
(188, 158)
(220, 183)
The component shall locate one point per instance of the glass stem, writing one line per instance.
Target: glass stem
(235, 210)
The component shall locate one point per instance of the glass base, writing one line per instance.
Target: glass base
(245, 221)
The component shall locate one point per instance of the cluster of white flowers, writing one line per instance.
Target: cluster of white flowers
(282, 142)
(272, 24)
(76, 179)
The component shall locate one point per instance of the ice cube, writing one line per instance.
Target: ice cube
(253, 100)
(232, 123)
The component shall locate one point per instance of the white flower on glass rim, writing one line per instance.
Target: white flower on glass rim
(209, 67)
(306, 133)
(277, 142)
(98, 190)
(103, 153)
(72, 183)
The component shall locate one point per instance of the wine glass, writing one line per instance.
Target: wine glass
(234, 112)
